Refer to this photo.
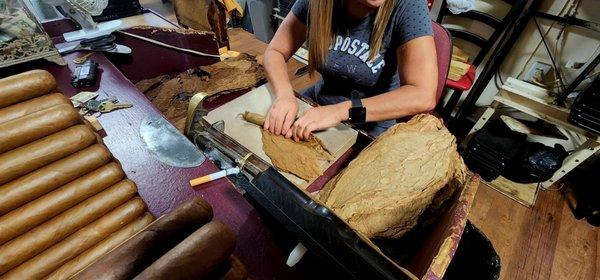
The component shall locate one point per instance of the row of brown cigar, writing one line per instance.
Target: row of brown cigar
(64, 200)
(184, 244)
(67, 211)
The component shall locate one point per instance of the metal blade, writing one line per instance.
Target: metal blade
(168, 145)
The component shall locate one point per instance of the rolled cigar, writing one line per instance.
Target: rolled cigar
(35, 184)
(32, 156)
(52, 258)
(24, 247)
(196, 256)
(70, 268)
(259, 120)
(232, 269)
(33, 105)
(34, 126)
(44, 208)
(141, 250)
(254, 118)
(24, 86)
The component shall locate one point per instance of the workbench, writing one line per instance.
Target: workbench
(262, 244)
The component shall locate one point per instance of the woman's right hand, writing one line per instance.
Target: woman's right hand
(282, 114)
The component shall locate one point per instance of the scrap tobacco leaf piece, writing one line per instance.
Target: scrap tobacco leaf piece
(171, 93)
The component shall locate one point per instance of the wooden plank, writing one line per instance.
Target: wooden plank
(534, 251)
(459, 67)
(539, 242)
(575, 254)
(459, 55)
(597, 270)
(337, 140)
(500, 219)
(574, 159)
(532, 92)
(525, 194)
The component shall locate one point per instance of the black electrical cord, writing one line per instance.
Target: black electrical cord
(537, 25)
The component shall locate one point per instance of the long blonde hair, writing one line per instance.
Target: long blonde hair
(321, 33)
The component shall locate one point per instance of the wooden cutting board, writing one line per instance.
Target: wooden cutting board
(337, 140)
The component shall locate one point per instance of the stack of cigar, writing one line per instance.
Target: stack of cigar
(64, 200)
(67, 210)
(184, 244)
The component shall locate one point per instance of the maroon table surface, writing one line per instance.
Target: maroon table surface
(164, 187)
(262, 245)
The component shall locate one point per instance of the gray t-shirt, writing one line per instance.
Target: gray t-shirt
(347, 67)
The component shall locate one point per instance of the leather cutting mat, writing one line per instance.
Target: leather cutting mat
(337, 140)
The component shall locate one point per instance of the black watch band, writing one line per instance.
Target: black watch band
(357, 113)
(356, 103)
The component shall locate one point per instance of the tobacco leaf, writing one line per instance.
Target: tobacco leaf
(298, 158)
(390, 184)
(171, 93)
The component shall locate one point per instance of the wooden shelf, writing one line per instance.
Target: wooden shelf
(533, 103)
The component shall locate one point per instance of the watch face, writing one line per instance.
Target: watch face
(357, 115)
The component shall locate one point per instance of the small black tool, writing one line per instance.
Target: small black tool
(85, 74)
(105, 43)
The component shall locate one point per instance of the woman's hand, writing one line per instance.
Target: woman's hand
(281, 115)
(318, 118)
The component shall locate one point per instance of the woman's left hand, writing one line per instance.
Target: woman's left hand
(318, 118)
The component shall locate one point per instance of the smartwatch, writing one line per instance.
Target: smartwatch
(357, 113)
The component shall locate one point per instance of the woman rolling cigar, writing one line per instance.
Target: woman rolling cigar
(376, 58)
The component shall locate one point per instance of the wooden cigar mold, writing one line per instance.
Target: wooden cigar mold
(67, 210)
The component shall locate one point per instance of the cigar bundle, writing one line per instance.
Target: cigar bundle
(64, 200)
(184, 244)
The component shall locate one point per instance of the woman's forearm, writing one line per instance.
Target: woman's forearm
(276, 68)
(404, 101)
